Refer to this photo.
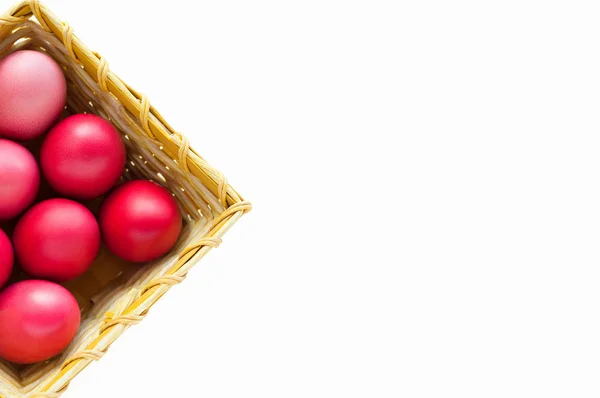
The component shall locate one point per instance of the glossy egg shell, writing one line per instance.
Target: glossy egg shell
(6, 258)
(38, 320)
(140, 221)
(83, 156)
(33, 93)
(57, 239)
(19, 179)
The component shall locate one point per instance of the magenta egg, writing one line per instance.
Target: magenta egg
(33, 93)
(38, 320)
(19, 179)
(140, 221)
(6, 258)
(57, 239)
(83, 156)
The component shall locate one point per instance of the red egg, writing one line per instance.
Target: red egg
(38, 320)
(57, 239)
(140, 221)
(83, 156)
(6, 258)
(19, 179)
(33, 93)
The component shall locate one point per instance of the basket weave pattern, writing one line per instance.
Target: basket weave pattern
(114, 295)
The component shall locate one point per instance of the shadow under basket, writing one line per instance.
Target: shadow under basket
(113, 294)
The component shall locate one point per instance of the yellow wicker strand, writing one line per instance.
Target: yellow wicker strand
(50, 394)
(46, 394)
(92, 355)
(170, 280)
(184, 150)
(102, 74)
(244, 207)
(121, 320)
(67, 37)
(36, 9)
(222, 189)
(8, 20)
(145, 114)
(213, 242)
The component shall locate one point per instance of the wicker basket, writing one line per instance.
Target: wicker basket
(113, 294)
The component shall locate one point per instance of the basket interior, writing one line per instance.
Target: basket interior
(111, 284)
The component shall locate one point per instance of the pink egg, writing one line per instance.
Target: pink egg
(19, 179)
(57, 239)
(140, 221)
(83, 156)
(6, 258)
(38, 320)
(33, 93)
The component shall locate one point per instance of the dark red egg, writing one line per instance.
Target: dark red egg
(19, 179)
(6, 258)
(57, 239)
(140, 221)
(38, 320)
(33, 93)
(83, 156)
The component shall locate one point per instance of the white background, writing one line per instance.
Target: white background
(425, 176)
